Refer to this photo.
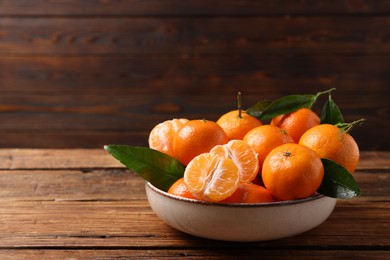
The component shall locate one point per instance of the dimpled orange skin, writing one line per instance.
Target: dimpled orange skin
(325, 140)
(180, 189)
(236, 127)
(196, 137)
(265, 138)
(292, 171)
(296, 123)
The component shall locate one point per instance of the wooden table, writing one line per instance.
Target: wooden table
(81, 203)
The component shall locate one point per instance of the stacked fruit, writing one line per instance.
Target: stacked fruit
(242, 159)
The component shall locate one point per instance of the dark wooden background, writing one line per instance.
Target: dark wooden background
(89, 73)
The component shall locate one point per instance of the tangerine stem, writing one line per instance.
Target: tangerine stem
(315, 97)
(347, 127)
(239, 104)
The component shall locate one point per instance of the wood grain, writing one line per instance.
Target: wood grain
(194, 36)
(84, 74)
(92, 159)
(119, 185)
(58, 204)
(225, 253)
(192, 7)
(266, 76)
(62, 121)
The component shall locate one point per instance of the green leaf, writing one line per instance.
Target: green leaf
(264, 110)
(337, 181)
(257, 109)
(286, 105)
(159, 169)
(331, 113)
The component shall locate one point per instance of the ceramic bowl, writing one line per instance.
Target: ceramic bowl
(240, 222)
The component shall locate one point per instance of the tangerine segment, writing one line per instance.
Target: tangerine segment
(242, 155)
(196, 137)
(211, 177)
(161, 136)
(292, 171)
(250, 193)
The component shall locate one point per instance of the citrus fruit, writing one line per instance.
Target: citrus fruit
(296, 123)
(264, 138)
(242, 155)
(196, 137)
(161, 136)
(179, 188)
(211, 177)
(237, 123)
(334, 144)
(249, 193)
(292, 171)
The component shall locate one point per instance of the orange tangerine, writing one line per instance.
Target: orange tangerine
(161, 136)
(180, 189)
(237, 123)
(297, 122)
(330, 142)
(211, 177)
(196, 137)
(249, 193)
(242, 155)
(265, 138)
(292, 171)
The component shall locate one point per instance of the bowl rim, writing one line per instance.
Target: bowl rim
(241, 205)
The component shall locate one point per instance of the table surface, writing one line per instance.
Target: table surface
(82, 203)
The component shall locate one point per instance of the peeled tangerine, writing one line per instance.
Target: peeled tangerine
(242, 155)
(161, 136)
(212, 177)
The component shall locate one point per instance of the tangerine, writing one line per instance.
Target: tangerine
(237, 123)
(249, 193)
(196, 137)
(161, 136)
(179, 188)
(264, 138)
(297, 122)
(211, 177)
(292, 171)
(332, 143)
(242, 155)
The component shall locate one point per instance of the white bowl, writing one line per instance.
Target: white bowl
(240, 222)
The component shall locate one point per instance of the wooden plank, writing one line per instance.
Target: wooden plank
(53, 210)
(91, 138)
(74, 185)
(194, 7)
(72, 138)
(263, 74)
(203, 35)
(142, 112)
(34, 159)
(225, 253)
(121, 185)
(69, 112)
(28, 119)
(90, 224)
(92, 159)
(374, 159)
